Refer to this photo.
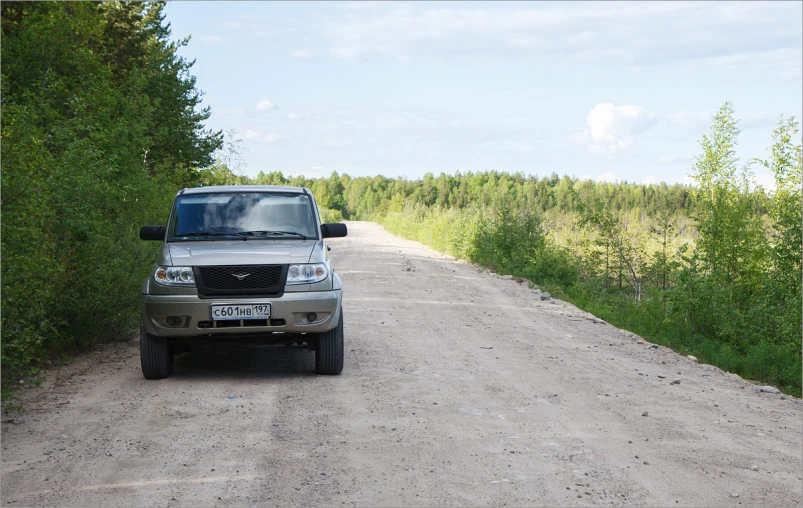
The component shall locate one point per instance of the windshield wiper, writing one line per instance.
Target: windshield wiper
(208, 233)
(266, 233)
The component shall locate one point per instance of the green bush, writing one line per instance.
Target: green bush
(97, 138)
(328, 215)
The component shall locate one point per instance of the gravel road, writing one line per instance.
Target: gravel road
(459, 388)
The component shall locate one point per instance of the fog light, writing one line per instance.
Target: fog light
(312, 317)
(173, 320)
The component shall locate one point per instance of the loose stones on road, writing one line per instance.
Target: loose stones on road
(545, 296)
(692, 358)
(769, 389)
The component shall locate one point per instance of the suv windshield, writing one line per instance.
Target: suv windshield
(242, 215)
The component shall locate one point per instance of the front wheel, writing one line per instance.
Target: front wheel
(329, 350)
(154, 354)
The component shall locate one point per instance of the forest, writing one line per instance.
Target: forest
(102, 125)
(711, 270)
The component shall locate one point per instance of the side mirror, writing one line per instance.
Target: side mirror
(152, 233)
(333, 230)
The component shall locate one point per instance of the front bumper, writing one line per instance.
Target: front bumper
(288, 314)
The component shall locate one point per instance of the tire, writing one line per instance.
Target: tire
(154, 354)
(329, 350)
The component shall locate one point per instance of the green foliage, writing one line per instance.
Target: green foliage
(101, 124)
(329, 215)
(100, 127)
(713, 271)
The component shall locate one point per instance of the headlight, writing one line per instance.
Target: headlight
(306, 274)
(174, 276)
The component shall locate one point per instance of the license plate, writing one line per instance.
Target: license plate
(247, 311)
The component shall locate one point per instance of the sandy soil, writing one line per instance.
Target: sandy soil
(460, 388)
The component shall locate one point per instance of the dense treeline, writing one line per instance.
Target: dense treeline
(713, 270)
(101, 123)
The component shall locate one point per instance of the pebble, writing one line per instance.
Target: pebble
(769, 389)
(734, 494)
(545, 296)
(536, 291)
(692, 358)
(754, 467)
(676, 381)
(646, 462)
(507, 277)
(654, 346)
(661, 376)
(645, 413)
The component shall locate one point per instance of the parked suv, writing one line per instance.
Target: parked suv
(242, 263)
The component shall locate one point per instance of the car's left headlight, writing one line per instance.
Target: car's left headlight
(307, 274)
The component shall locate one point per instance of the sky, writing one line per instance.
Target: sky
(606, 91)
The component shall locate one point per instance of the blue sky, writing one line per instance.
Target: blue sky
(599, 90)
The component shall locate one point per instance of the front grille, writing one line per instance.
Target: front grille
(224, 280)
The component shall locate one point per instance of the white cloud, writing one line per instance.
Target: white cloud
(648, 180)
(249, 134)
(644, 33)
(360, 5)
(265, 105)
(766, 180)
(294, 116)
(613, 128)
(303, 54)
(271, 138)
(214, 39)
(607, 177)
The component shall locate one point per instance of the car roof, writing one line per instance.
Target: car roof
(214, 189)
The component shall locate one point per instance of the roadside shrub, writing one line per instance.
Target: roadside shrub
(329, 215)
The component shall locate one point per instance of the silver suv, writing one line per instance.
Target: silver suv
(242, 264)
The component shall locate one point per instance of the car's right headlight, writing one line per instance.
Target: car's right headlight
(174, 276)
(307, 274)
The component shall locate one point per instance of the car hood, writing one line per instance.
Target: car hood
(237, 252)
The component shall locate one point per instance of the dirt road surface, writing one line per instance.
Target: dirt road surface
(460, 388)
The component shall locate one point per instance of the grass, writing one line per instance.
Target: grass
(775, 364)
